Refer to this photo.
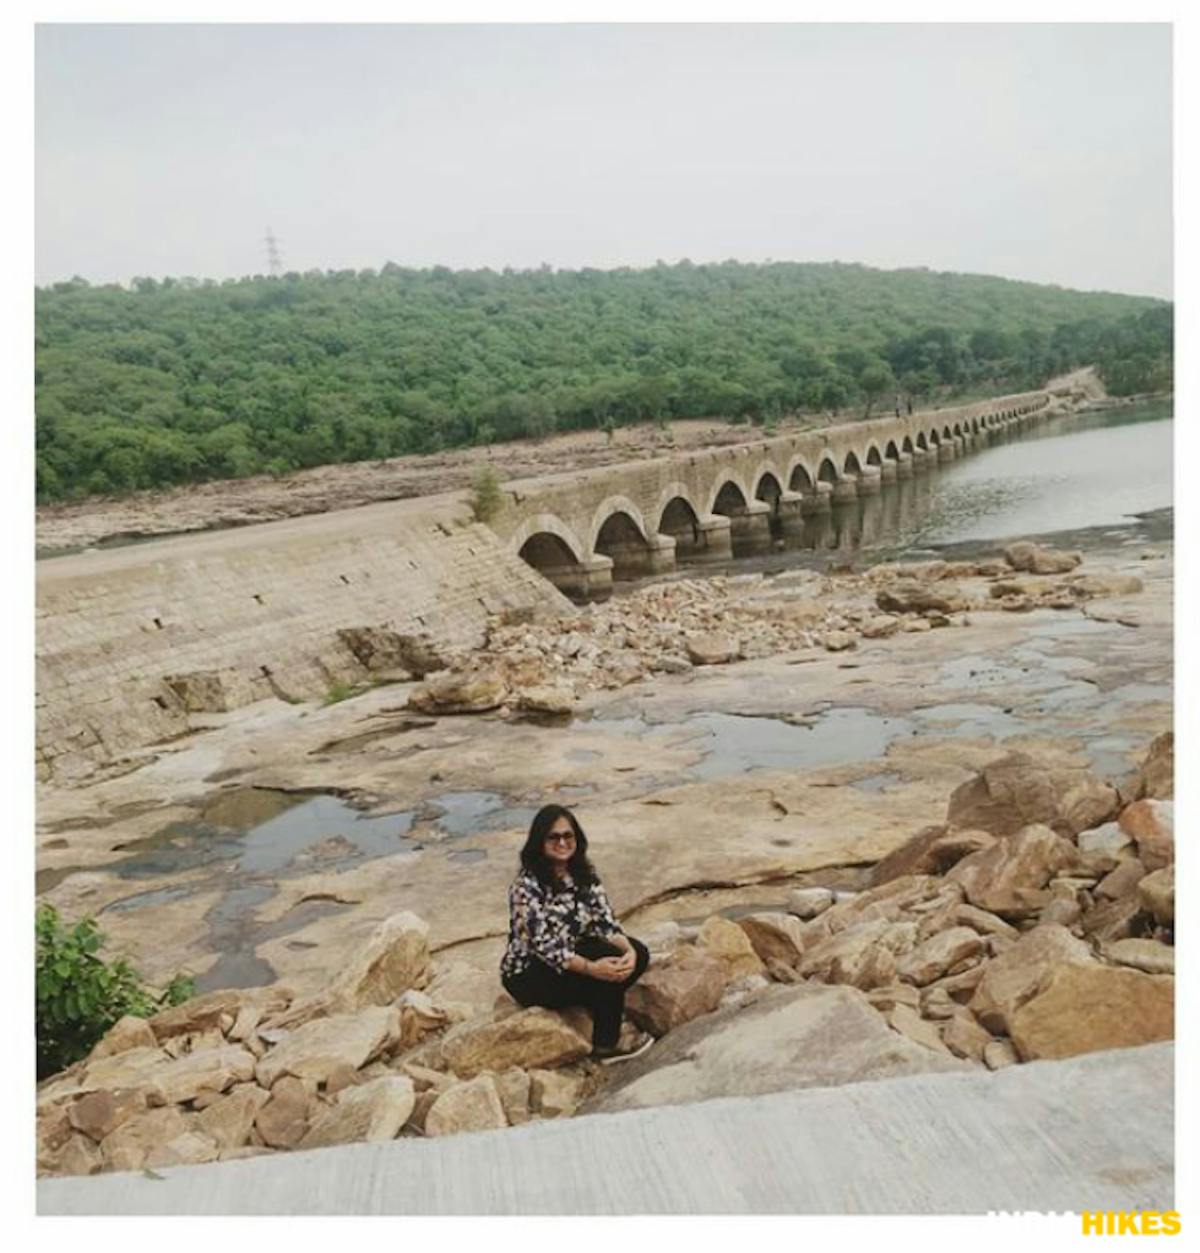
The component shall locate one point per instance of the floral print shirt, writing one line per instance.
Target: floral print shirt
(545, 923)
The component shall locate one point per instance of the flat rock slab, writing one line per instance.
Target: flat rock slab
(1093, 1132)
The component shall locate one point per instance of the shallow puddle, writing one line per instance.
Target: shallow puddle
(468, 813)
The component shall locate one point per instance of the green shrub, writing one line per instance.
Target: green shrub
(79, 995)
(486, 496)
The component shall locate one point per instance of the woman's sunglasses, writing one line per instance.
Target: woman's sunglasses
(556, 838)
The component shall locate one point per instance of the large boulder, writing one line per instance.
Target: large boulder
(473, 1105)
(1010, 877)
(932, 851)
(709, 648)
(555, 1093)
(727, 942)
(370, 1111)
(777, 939)
(945, 953)
(1035, 559)
(916, 596)
(689, 983)
(460, 693)
(1156, 775)
(1151, 826)
(1088, 586)
(790, 1037)
(1082, 1009)
(125, 1034)
(212, 1010)
(230, 1119)
(864, 955)
(166, 1080)
(317, 1049)
(1149, 956)
(1156, 895)
(283, 1119)
(128, 1147)
(1017, 974)
(394, 959)
(1016, 791)
(528, 1038)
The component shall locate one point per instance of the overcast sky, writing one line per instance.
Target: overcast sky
(1035, 152)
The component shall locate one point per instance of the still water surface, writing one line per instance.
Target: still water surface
(1080, 471)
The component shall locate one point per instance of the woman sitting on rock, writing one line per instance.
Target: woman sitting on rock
(564, 945)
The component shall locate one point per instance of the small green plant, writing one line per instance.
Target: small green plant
(486, 496)
(342, 691)
(79, 996)
(609, 427)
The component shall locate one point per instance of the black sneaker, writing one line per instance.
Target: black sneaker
(624, 1050)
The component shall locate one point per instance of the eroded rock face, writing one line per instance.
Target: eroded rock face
(1084, 1008)
(1011, 876)
(788, 1038)
(1016, 791)
(529, 1038)
(807, 903)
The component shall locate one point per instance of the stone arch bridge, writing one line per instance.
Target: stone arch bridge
(583, 530)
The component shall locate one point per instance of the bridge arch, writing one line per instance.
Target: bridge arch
(947, 434)
(922, 442)
(547, 544)
(891, 452)
(852, 465)
(827, 471)
(874, 456)
(609, 508)
(768, 470)
(907, 444)
(799, 476)
(548, 526)
(728, 495)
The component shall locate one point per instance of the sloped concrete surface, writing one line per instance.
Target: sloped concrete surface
(1093, 1132)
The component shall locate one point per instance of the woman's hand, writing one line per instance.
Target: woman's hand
(613, 969)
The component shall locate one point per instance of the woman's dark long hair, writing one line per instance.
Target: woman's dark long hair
(533, 855)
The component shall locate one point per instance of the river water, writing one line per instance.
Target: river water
(1081, 471)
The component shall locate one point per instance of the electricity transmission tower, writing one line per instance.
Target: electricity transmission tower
(274, 256)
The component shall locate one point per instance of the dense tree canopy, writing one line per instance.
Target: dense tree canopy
(178, 381)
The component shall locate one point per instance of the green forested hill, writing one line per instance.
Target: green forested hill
(180, 380)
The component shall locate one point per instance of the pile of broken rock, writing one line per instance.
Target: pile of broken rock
(545, 667)
(1036, 922)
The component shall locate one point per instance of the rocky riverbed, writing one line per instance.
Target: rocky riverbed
(735, 748)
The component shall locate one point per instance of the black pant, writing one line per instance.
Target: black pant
(540, 984)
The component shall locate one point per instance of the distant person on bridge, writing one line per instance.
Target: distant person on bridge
(565, 947)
